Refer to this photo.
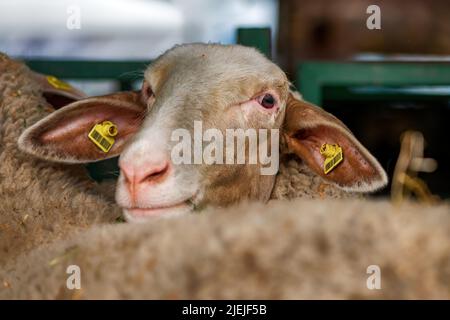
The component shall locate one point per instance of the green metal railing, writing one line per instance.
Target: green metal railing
(259, 38)
(124, 72)
(121, 71)
(313, 78)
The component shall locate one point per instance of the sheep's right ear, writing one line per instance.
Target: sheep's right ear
(62, 136)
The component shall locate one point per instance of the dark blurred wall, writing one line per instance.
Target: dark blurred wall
(336, 29)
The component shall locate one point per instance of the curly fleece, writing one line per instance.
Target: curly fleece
(39, 201)
(303, 249)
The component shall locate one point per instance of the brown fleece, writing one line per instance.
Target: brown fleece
(296, 180)
(39, 201)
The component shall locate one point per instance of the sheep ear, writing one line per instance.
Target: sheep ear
(307, 128)
(62, 136)
(57, 92)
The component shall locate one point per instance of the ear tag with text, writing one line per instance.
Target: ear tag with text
(58, 84)
(333, 156)
(102, 135)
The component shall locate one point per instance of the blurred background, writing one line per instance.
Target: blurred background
(124, 29)
(380, 82)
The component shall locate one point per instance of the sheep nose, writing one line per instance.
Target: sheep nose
(145, 173)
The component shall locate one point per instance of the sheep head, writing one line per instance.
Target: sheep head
(178, 137)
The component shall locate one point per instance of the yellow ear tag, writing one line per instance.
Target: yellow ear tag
(102, 135)
(333, 156)
(58, 84)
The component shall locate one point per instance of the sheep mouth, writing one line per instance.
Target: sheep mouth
(171, 210)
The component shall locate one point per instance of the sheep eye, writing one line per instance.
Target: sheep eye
(267, 101)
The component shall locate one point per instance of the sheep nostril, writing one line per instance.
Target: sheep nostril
(135, 175)
(156, 175)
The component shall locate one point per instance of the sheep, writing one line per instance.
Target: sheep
(215, 88)
(299, 249)
(40, 201)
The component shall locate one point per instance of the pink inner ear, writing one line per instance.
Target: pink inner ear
(358, 165)
(66, 135)
(78, 124)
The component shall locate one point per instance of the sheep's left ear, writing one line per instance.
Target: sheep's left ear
(308, 128)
